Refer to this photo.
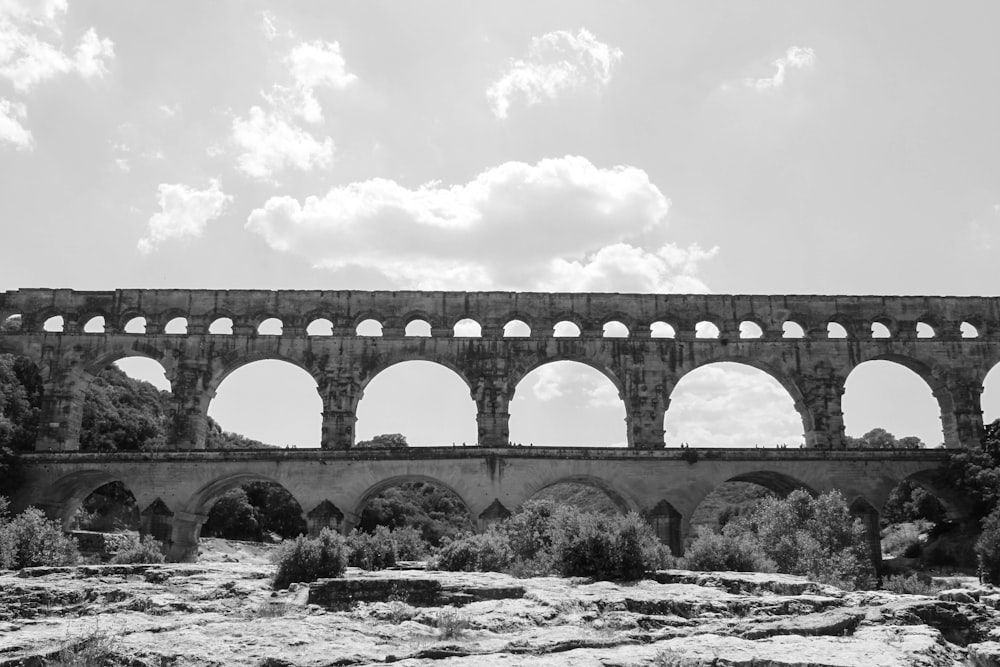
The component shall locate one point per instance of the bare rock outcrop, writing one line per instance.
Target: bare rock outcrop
(224, 613)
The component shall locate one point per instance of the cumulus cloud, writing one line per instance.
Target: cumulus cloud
(556, 62)
(730, 404)
(270, 140)
(795, 58)
(559, 224)
(184, 211)
(11, 130)
(267, 26)
(33, 48)
(270, 143)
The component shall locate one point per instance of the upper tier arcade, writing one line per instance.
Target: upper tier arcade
(644, 343)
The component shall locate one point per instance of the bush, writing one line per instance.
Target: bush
(135, 551)
(31, 540)
(528, 530)
(911, 585)
(410, 543)
(814, 537)
(603, 547)
(371, 551)
(476, 552)
(988, 549)
(740, 552)
(308, 559)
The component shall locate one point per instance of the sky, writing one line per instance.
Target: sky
(782, 147)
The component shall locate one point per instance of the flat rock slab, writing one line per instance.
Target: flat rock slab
(424, 591)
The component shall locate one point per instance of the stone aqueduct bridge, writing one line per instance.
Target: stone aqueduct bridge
(175, 488)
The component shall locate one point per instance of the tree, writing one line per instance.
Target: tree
(20, 402)
(879, 438)
(123, 414)
(390, 440)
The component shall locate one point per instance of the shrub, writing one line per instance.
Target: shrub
(529, 529)
(410, 543)
(739, 552)
(452, 624)
(31, 540)
(371, 551)
(476, 552)
(911, 585)
(988, 549)
(148, 550)
(815, 537)
(904, 539)
(308, 559)
(603, 547)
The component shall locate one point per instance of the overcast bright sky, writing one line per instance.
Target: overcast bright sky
(767, 147)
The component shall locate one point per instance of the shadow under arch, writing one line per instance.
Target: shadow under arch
(64, 496)
(783, 379)
(201, 501)
(778, 482)
(353, 515)
(597, 483)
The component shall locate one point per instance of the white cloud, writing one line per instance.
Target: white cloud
(559, 224)
(319, 63)
(270, 143)
(731, 404)
(11, 130)
(32, 46)
(184, 211)
(270, 140)
(795, 58)
(267, 26)
(556, 62)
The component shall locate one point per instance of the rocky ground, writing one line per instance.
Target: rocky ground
(221, 611)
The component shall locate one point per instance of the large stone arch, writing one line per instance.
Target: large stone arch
(936, 377)
(63, 497)
(621, 501)
(777, 373)
(387, 361)
(518, 372)
(223, 368)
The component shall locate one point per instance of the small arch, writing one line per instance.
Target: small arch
(516, 329)
(661, 329)
(135, 325)
(271, 326)
(969, 330)
(177, 325)
(706, 329)
(566, 329)
(467, 328)
(222, 326)
(12, 323)
(368, 328)
(728, 501)
(418, 327)
(836, 330)
(780, 483)
(95, 325)
(320, 327)
(54, 324)
(749, 329)
(615, 329)
(925, 330)
(791, 329)
(881, 328)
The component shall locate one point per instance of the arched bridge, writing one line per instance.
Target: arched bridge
(958, 345)
(201, 336)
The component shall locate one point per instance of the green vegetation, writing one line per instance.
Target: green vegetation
(815, 537)
(307, 559)
(879, 438)
(545, 538)
(372, 551)
(255, 511)
(437, 513)
(31, 540)
(135, 550)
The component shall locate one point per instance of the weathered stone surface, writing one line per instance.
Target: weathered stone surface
(986, 654)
